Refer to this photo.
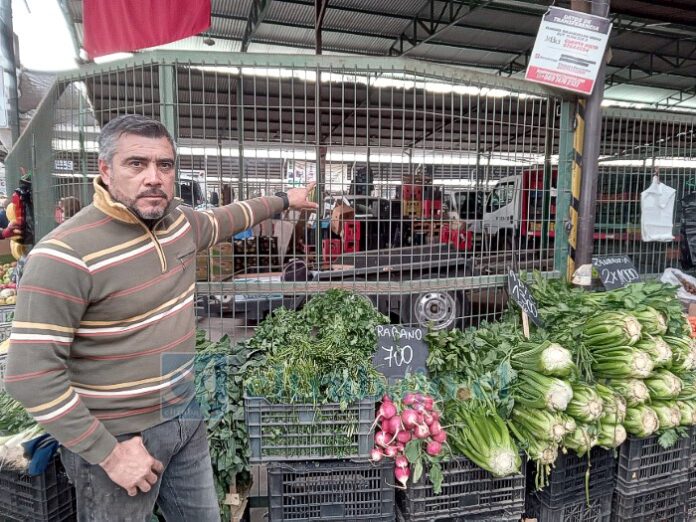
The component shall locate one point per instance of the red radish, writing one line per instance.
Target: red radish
(428, 402)
(409, 418)
(433, 448)
(435, 415)
(419, 407)
(400, 447)
(401, 462)
(409, 399)
(403, 436)
(427, 418)
(419, 397)
(387, 410)
(421, 419)
(386, 398)
(402, 475)
(393, 425)
(390, 451)
(376, 455)
(421, 431)
(440, 437)
(381, 439)
(435, 428)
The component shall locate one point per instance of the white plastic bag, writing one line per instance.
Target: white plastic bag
(673, 276)
(657, 210)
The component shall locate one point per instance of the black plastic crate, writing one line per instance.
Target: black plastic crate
(484, 517)
(666, 501)
(576, 510)
(290, 432)
(691, 499)
(644, 461)
(45, 497)
(331, 490)
(468, 492)
(692, 434)
(567, 479)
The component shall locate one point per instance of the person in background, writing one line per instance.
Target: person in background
(70, 206)
(4, 201)
(7, 228)
(101, 350)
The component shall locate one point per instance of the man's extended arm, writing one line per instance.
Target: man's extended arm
(219, 224)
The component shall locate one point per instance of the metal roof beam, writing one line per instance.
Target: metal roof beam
(319, 13)
(257, 13)
(433, 18)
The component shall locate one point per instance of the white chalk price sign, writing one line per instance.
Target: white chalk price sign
(519, 292)
(615, 271)
(400, 350)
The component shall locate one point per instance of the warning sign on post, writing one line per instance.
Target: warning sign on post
(569, 49)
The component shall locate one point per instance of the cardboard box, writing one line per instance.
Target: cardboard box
(339, 214)
(692, 310)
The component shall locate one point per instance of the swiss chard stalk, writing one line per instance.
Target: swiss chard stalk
(482, 436)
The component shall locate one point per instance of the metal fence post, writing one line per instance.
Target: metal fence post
(563, 186)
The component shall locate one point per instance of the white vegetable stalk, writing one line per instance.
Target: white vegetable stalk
(611, 435)
(586, 405)
(633, 390)
(641, 421)
(668, 414)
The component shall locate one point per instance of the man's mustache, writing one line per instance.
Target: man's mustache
(155, 193)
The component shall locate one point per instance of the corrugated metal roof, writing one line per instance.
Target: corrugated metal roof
(439, 53)
(291, 13)
(382, 25)
(226, 27)
(502, 25)
(232, 7)
(195, 43)
(351, 43)
(405, 7)
(462, 36)
(278, 34)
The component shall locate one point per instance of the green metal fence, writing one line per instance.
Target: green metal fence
(452, 177)
(636, 145)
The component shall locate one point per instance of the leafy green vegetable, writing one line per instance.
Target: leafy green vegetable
(220, 369)
(321, 354)
(13, 417)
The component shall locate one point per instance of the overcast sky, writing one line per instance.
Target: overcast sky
(44, 39)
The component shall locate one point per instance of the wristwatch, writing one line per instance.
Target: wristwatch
(284, 197)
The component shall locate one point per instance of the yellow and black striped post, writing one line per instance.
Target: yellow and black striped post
(576, 179)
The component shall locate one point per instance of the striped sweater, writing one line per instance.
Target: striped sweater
(104, 333)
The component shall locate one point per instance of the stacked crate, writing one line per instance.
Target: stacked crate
(652, 483)
(47, 497)
(566, 495)
(468, 493)
(316, 461)
(227, 259)
(351, 233)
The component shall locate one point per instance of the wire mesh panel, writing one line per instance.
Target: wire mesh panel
(432, 182)
(636, 146)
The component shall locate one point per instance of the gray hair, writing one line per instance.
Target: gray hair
(130, 124)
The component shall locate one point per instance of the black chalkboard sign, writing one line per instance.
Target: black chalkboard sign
(615, 271)
(400, 350)
(519, 292)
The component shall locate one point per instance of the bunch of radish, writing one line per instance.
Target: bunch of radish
(414, 418)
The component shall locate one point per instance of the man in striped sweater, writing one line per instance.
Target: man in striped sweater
(102, 344)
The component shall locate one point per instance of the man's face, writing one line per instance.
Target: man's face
(141, 175)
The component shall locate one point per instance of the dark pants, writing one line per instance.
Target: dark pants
(184, 492)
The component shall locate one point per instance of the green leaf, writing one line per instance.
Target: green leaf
(668, 439)
(436, 477)
(412, 451)
(417, 471)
